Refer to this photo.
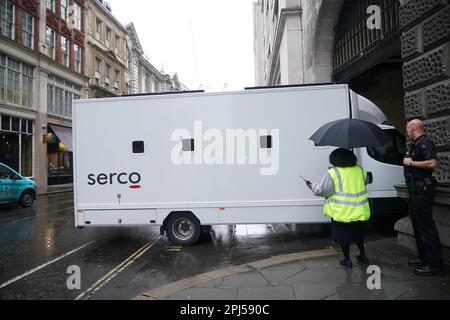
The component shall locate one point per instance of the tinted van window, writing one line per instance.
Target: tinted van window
(391, 153)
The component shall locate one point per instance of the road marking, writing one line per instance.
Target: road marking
(38, 215)
(114, 272)
(175, 248)
(7, 283)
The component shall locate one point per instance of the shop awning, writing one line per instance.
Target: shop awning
(64, 135)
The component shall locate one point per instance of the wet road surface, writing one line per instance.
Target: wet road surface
(39, 244)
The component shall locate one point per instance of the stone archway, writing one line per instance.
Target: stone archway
(322, 17)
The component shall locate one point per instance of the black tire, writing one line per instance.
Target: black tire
(26, 199)
(183, 229)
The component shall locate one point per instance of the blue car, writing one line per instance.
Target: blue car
(15, 188)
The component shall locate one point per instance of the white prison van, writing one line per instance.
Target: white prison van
(187, 160)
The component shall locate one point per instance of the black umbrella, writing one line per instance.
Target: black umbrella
(349, 134)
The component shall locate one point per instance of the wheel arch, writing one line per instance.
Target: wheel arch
(28, 189)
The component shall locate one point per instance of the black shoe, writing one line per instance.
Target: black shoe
(416, 263)
(428, 270)
(362, 260)
(346, 263)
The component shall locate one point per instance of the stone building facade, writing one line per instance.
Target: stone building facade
(107, 53)
(426, 53)
(42, 47)
(51, 53)
(144, 77)
(403, 65)
(323, 41)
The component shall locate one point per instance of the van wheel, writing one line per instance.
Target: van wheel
(183, 229)
(26, 199)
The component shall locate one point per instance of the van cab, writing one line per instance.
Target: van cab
(15, 188)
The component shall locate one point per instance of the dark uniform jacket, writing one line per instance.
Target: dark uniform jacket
(421, 180)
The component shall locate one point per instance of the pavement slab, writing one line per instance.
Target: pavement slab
(391, 290)
(317, 291)
(205, 294)
(313, 276)
(351, 291)
(267, 293)
(425, 291)
(246, 280)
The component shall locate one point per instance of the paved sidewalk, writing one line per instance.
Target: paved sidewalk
(312, 275)
(58, 189)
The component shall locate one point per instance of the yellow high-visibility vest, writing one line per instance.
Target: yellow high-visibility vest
(350, 201)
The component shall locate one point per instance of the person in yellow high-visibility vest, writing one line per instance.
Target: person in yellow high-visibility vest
(346, 202)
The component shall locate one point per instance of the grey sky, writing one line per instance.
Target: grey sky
(222, 31)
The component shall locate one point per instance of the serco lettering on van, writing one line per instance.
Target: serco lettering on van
(121, 178)
(232, 147)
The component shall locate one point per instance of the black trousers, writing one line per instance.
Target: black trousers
(425, 231)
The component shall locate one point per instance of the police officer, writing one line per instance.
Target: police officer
(419, 164)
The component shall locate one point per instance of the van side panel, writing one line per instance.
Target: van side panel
(109, 176)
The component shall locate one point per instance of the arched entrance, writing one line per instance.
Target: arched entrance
(369, 60)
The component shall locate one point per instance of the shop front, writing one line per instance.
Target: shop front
(16, 144)
(59, 155)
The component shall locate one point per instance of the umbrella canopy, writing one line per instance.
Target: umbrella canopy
(349, 134)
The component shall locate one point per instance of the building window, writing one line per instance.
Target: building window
(107, 74)
(108, 37)
(68, 97)
(64, 9)
(98, 64)
(7, 19)
(50, 99)
(50, 42)
(28, 30)
(27, 86)
(74, 16)
(116, 81)
(77, 58)
(59, 107)
(16, 82)
(26, 154)
(51, 5)
(98, 29)
(117, 45)
(78, 16)
(65, 51)
(16, 144)
(2, 77)
(60, 95)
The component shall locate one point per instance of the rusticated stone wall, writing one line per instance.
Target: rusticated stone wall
(426, 53)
